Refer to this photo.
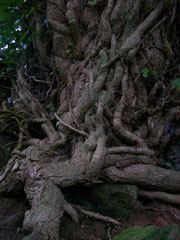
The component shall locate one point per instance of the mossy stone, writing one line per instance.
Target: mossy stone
(169, 232)
(135, 233)
(114, 200)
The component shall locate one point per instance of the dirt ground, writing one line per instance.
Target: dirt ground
(146, 213)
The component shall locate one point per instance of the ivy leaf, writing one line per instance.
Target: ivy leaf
(45, 22)
(176, 82)
(68, 51)
(145, 72)
(70, 44)
(72, 21)
(93, 3)
(154, 73)
(57, 123)
(56, 36)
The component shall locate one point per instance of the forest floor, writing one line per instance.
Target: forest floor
(145, 213)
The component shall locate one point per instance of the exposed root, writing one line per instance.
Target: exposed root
(106, 102)
(98, 216)
(69, 209)
(47, 208)
(131, 150)
(166, 197)
(71, 128)
(146, 176)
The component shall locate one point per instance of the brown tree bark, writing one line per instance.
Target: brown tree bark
(94, 97)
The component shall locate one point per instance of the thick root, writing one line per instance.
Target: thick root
(47, 209)
(166, 197)
(146, 176)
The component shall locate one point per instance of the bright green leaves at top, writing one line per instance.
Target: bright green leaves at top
(92, 3)
(176, 82)
(14, 25)
(15, 29)
(8, 8)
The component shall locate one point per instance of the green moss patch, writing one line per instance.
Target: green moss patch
(149, 233)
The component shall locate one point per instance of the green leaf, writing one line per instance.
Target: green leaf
(32, 10)
(45, 22)
(145, 72)
(94, 2)
(56, 36)
(72, 21)
(68, 51)
(176, 82)
(53, 110)
(57, 123)
(70, 44)
(154, 73)
(52, 117)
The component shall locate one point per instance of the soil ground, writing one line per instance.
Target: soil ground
(146, 213)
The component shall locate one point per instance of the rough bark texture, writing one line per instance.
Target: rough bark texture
(93, 100)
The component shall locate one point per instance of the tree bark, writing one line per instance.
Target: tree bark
(104, 97)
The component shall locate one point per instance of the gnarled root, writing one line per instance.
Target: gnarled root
(47, 209)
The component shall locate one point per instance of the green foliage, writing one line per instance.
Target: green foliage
(15, 29)
(166, 233)
(46, 21)
(149, 233)
(68, 51)
(146, 72)
(72, 21)
(116, 201)
(58, 123)
(176, 82)
(70, 44)
(92, 3)
(135, 233)
(56, 36)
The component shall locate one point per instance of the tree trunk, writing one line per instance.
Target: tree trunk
(98, 106)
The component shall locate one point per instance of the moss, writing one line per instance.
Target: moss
(169, 232)
(135, 233)
(114, 200)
